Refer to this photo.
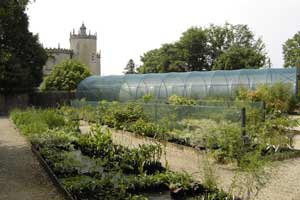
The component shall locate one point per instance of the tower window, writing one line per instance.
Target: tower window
(93, 57)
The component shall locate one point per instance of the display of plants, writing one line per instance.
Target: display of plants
(91, 166)
(181, 121)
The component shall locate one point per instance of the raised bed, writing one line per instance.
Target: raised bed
(51, 174)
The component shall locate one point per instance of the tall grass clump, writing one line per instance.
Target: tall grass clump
(35, 121)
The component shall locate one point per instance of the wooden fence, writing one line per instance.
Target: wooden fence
(35, 99)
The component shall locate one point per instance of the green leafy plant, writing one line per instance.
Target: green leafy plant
(65, 76)
(91, 166)
(32, 121)
(277, 97)
(178, 100)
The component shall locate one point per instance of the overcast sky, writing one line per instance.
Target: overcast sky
(128, 28)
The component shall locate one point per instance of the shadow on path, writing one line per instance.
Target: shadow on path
(21, 176)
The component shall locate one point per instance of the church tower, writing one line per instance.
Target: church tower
(84, 47)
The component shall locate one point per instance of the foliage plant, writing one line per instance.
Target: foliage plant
(129, 116)
(65, 76)
(277, 97)
(264, 141)
(91, 166)
(178, 100)
(22, 57)
(32, 121)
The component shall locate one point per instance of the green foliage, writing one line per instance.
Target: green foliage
(178, 100)
(21, 55)
(165, 59)
(216, 47)
(147, 98)
(97, 143)
(109, 171)
(65, 76)
(237, 57)
(277, 97)
(210, 177)
(85, 187)
(128, 116)
(130, 67)
(195, 49)
(291, 51)
(71, 117)
(87, 113)
(55, 138)
(118, 115)
(195, 132)
(147, 128)
(32, 121)
(63, 163)
(228, 143)
(273, 132)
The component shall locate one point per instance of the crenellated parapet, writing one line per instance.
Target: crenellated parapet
(82, 34)
(58, 50)
(79, 36)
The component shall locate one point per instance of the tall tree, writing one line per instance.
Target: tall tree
(168, 58)
(21, 55)
(194, 46)
(130, 67)
(291, 51)
(235, 47)
(198, 49)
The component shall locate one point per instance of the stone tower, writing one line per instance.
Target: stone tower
(84, 47)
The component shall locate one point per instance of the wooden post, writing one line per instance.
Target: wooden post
(297, 80)
(264, 111)
(243, 125)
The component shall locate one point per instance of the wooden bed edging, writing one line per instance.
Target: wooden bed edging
(51, 175)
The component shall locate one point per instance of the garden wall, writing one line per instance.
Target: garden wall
(36, 99)
(50, 99)
(13, 101)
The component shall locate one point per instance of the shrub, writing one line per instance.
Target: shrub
(277, 97)
(52, 118)
(178, 100)
(146, 128)
(227, 142)
(65, 76)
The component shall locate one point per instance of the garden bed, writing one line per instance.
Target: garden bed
(51, 174)
(192, 126)
(91, 166)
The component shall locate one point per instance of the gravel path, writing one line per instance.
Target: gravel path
(284, 183)
(21, 176)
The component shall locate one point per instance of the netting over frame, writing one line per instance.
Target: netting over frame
(176, 116)
(189, 84)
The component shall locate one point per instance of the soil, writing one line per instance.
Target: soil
(21, 176)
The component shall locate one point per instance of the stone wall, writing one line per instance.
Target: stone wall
(56, 56)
